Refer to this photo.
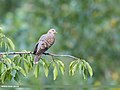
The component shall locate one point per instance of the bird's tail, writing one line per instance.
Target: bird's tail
(36, 59)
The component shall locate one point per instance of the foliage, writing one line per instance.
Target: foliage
(82, 66)
(86, 28)
(10, 68)
(6, 42)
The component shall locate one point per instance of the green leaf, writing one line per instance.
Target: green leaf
(89, 69)
(3, 76)
(1, 29)
(46, 70)
(6, 75)
(10, 43)
(8, 60)
(71, 64)
(44, 61)
(16, 67)
(84, 69)
(61, 63)
(2, 36)
(62, 69)
(80, 67)
(55, 71)
(29, 58)
(16, 59)
(26, 67)
(71, 70)
(16, 78)
(83, 72)
(74, 68)
(36, 71)
(1, 66)
(61, 66)
(84, 63)
(46, 67)
(1, 43)
(5, 44)
(21, 70)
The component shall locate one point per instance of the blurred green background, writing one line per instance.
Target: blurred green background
(89, 29)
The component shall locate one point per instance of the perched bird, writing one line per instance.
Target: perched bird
(43, 44)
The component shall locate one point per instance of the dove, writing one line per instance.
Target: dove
(43, 44)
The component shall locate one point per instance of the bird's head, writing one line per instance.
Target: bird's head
(52, 31)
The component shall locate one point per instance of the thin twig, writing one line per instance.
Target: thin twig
(50, 54)
(14, 53)
(70, 56)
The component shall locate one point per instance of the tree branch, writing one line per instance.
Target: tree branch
(13, 53)
(70, 56)
(50, 54)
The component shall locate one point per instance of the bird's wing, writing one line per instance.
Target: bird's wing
(35, 50)
(40, 46)
(50, 38)
(44, 43)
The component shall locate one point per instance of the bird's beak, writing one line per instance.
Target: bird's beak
(55, 32)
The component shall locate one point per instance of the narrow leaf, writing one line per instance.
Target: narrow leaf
(36, 71)
(44, 61)
(55, 71)
(46, 67)
(8, 60)
(83, 72)
(26, 67)
(80, 67)
(8, 77)
(11, 43)
(46, 71)
(62, 69)
(89, 69)
(22, 71)
(5, 44)
(1, 43)
(61, 66)
(3, 76)
(16, 78)
(1, 29)
(71, 70)
(61, 63)
(71, 64)
(74, 68)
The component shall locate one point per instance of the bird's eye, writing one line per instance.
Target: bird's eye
(53, 30)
